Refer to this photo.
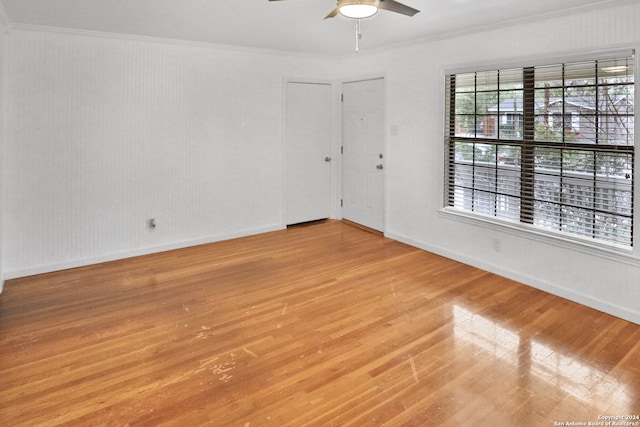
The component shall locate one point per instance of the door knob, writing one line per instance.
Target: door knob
(327, 159)
(380, 167)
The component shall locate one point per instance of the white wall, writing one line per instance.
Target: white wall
(415, 157)
(106, 132)
(3, 61)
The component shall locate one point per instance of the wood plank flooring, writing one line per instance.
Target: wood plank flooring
(323, 324)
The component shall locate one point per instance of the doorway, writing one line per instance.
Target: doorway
(363, 153)
(308, 135)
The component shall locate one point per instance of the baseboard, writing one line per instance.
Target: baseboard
(136, 252)
(625, 313)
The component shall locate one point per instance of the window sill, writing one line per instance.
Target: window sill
(602, 250)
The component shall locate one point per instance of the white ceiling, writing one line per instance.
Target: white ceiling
(294, 25)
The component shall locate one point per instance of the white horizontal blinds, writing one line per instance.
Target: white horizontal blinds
(550, 146)
(585, 102)
(615, 101)
(584, 148)
(486, 170)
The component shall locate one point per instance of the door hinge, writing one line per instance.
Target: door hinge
(342, 97)
(341, 203)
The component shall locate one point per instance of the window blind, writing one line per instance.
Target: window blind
(551, 146)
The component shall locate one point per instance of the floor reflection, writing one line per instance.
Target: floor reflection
(486, 335)
(536, 361)
(582, 381)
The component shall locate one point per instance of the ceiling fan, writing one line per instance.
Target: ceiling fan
(358, 9)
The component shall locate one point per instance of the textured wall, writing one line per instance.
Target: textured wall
(3, 156)
(106, 132)
(415, 157)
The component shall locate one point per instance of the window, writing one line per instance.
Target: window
(551, 146)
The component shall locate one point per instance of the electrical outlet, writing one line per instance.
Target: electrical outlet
(151, 224)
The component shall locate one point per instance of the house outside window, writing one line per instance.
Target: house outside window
(550, 146)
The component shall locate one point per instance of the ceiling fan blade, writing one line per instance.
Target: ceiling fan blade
(333, 13)
(394, 6)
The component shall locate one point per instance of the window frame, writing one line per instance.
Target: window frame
(619, 252)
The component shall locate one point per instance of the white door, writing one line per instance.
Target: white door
(308, 133)
(363, 153)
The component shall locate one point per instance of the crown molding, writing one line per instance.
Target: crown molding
(159, 40)
(574, 10)
(482, 28)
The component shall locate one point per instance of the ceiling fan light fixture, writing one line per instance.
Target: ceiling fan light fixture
(358, 9)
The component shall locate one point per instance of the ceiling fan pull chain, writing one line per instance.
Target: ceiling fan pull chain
(358, 35)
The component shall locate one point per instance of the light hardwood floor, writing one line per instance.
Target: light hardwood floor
(323, 324)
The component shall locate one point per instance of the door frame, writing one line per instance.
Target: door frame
(336, 142)
(364, 78)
